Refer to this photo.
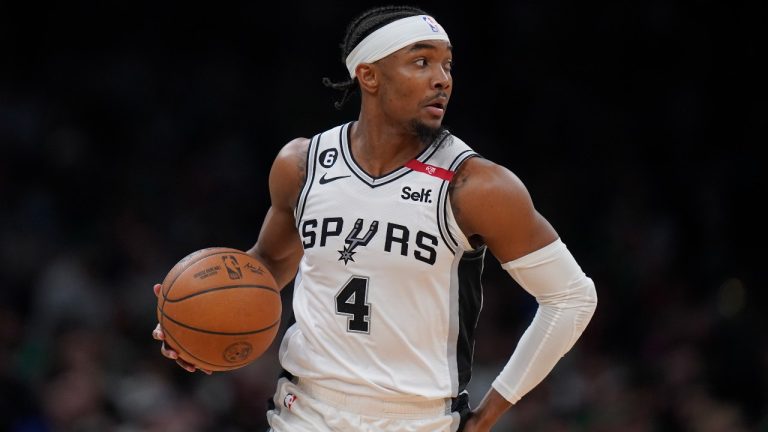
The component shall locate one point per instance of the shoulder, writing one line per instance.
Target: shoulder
(478, 179)
(492, 206)
(288, 172)
(295, 151)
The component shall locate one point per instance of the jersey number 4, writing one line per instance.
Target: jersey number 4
(352, 301)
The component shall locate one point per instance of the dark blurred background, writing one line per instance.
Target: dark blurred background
(134, 133)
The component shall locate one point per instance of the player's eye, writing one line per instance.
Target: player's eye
(421, 62)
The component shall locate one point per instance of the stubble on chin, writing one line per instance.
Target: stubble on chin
(426, 134)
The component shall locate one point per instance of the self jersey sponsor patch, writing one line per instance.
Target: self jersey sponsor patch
(416, 195)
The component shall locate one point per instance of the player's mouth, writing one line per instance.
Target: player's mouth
(437, 106)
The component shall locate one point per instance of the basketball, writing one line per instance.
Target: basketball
(219, 308)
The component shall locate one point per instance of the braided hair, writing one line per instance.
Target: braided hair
(365, 24)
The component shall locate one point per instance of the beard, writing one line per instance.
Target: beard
(427, 135)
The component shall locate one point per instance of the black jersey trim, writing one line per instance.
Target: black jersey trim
(389, 177)
(442, 207)
(463, 156)
(470, 273)
(442, 227)
(310, 174)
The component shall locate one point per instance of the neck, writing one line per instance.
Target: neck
(379, 147)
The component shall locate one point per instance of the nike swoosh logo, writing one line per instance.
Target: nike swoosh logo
(324, 180)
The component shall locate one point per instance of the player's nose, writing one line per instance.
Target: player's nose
(441, 77)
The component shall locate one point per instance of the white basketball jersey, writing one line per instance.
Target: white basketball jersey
(388, 292)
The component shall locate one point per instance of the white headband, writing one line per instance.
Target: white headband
(393, 36)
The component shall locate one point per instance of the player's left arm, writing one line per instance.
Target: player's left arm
(493, 207)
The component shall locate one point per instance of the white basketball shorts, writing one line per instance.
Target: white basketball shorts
(303, 406)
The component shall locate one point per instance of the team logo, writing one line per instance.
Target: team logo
(290, 398)
(233, 268)
(353, 240)
(410, 241)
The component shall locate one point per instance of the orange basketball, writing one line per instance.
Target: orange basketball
(219, 308)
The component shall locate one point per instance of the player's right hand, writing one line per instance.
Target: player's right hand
(157, 334)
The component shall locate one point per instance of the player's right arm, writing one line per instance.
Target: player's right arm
(278, 246)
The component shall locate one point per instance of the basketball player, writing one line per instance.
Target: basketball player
(384, 223)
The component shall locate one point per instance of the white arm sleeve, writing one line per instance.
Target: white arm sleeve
(567, 301)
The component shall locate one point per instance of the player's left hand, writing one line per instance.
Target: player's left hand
(157, 334)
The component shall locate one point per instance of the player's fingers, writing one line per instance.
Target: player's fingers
(156, 289)
(188, 367)
(157, 333)
(167, 352)
(171, 354)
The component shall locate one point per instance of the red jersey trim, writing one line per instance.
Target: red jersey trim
(432, 170)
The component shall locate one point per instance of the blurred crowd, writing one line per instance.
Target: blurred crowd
(125, 147)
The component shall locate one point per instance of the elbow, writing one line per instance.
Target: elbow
(591, 295)
(588, 305)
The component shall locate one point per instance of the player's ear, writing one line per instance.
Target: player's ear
(368, 77)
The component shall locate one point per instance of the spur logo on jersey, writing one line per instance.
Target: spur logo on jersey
(397, 238)
(422, 196)
(353, 240)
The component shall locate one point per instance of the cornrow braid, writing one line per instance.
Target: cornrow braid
(365, 24)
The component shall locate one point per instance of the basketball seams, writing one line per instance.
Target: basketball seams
(261, 330)
(223, 287)
(218, 252)
(206, 363)
(190, 264)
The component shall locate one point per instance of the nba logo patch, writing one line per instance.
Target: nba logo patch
(290, 398)
(431, 23)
